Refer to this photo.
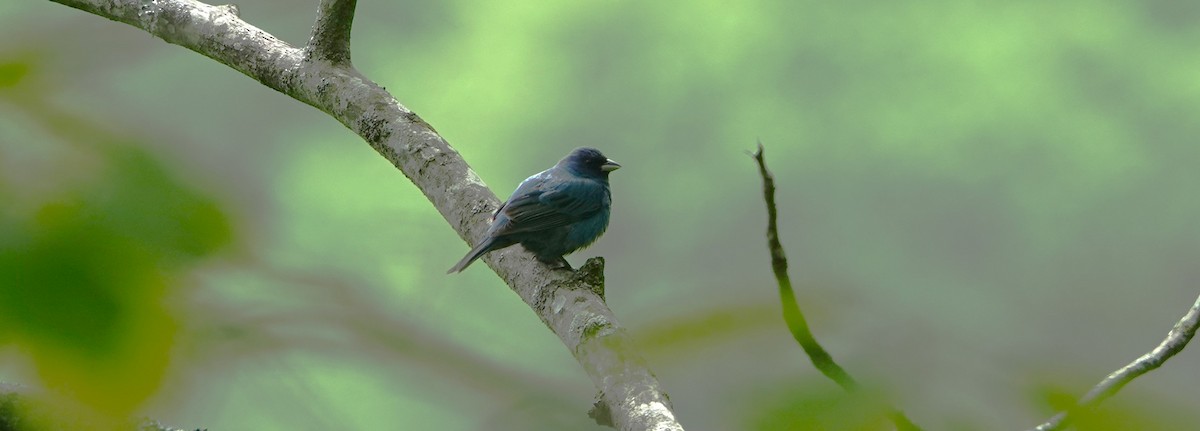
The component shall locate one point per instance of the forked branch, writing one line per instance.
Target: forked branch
(330, 39)
(321, 75)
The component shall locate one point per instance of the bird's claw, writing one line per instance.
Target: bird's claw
(559, 263)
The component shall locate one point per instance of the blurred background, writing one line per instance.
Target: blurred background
(988, 207)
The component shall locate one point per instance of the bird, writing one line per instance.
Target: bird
(554, 212)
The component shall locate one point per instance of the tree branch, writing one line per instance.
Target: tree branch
(567, 304)
(792, 315)
(330, 39)
(1176, 340)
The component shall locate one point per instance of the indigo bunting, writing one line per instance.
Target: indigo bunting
(553, 213)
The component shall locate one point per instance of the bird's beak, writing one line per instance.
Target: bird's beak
(609, 165)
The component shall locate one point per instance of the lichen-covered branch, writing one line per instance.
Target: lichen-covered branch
(1176, 340)
(792, 316)
(568, 305)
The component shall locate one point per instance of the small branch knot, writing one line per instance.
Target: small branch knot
(600, 412)
(591, 276)
(231, 9)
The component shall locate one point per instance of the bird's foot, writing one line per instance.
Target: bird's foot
(556, 263)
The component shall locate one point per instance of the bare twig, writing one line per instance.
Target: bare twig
(792, 315)
(1176, 340)
(330, 39)
(568, 305)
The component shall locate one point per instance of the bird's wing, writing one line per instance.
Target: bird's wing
(555, 203)
(532, 186)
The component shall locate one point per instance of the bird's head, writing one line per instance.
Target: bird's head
(589, 162)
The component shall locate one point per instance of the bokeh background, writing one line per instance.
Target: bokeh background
(988, 206)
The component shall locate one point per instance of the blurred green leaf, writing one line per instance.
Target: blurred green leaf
(813, 409)
(710, 327)
(82, 278)
(143, 202)
(12, 72)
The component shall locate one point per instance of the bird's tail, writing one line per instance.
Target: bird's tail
(479, 250)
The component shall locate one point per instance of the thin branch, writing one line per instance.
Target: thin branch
(330, 40)
(1176, 340)
(566, 303)
(792, 315)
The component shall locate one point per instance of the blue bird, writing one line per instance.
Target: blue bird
(553, 213)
